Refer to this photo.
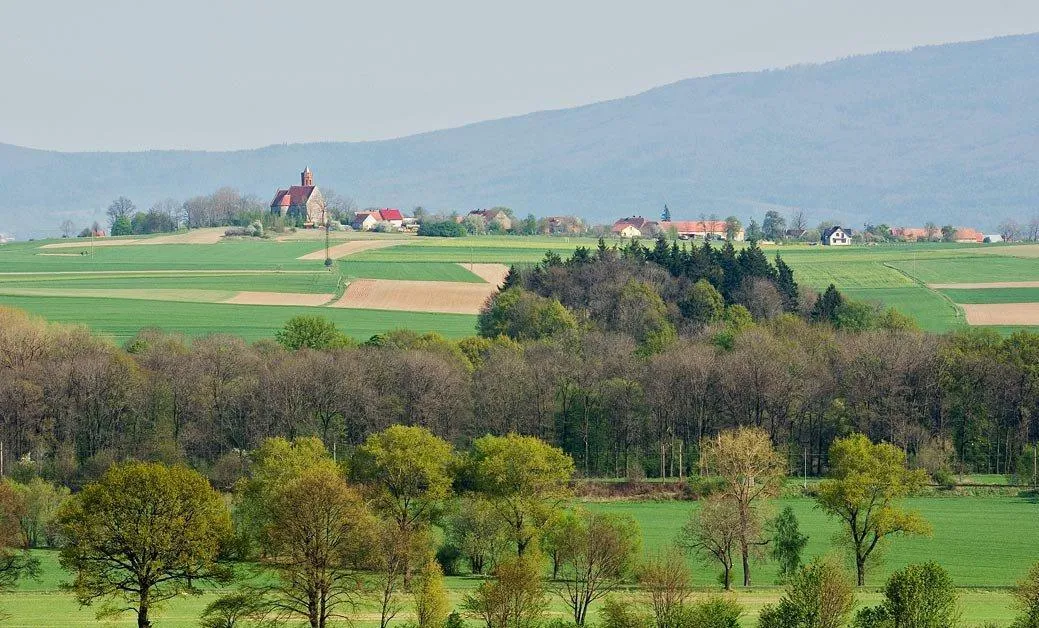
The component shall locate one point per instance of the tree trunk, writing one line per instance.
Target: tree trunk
(727, 577)
(745, 554)
(860, 570)
(142, 610)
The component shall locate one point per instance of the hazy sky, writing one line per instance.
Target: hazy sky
(100, 75)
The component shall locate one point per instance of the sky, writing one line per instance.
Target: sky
(218, 75)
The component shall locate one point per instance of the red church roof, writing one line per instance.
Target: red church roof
(295, 195)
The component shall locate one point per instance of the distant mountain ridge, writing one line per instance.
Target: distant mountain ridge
(945, 133)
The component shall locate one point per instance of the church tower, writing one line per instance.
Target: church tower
(306, 177)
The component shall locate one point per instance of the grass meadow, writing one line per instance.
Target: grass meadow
(986, 543)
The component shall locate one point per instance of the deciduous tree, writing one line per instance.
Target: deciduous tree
(144, 533)
(752, 471)
(866, 481)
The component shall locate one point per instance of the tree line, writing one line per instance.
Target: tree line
(306, 536)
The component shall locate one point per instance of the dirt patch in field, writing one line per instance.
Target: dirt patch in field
(983, 286)
(447, 297)
(1002, 313)
(349, 248)
(195, 236)
(493, 274)
(280, 298)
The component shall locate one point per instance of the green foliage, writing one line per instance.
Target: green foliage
(41, 500)
(241, 608)
(275, 463)
(714, 612)
(787, 542)
(862, 490)
(408, 470)
(1026, 597)
(311, 332)
(703, 304)
(430, 597)
(597, 552)
(525, 476)
(442, 229)
(142, 534)
(618, 612)
(515, 598)
(523, 315)
(122, 226)
(921, 596)
(818, 595)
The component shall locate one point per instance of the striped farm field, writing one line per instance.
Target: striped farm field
(185, 283)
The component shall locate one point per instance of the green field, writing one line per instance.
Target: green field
(118, 289)
(986, 543)
(123, 318)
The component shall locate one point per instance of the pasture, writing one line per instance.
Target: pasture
(984, 555)
(199, 285)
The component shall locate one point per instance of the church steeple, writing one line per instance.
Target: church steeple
(306, 177)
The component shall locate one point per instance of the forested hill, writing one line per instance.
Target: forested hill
(944, 133)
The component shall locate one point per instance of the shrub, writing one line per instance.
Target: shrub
(442, 229)
(621, 613)
(701, 486)
(818, 595)
(1026, 596)
(715, 612)
(921, 596)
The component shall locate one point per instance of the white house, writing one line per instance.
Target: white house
(836, 236)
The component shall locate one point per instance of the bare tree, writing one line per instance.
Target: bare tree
(67, 228)
(711, 533)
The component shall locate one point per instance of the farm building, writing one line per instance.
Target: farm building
(836, 236)
(370, 219)
(303, 201)
(633, 227)
(967, 234)
(701, 229)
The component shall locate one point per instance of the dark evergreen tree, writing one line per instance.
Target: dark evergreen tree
(786, 284)
(828, 305)
(753, 263)
(511, 280)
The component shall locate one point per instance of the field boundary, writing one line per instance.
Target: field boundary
(961, 316)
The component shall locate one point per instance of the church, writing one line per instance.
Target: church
(303, 201)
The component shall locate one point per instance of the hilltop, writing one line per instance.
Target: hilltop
(944, 133)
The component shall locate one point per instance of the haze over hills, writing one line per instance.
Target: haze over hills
(944, 133)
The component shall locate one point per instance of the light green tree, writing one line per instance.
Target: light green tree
(866, 481)
(598, 553)
(311, 332)
(408, 472)
(524, 478)
(144, 533)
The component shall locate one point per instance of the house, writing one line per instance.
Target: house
(370, 219)
(795, 234)
(967, 234)
(633, 227)
(366, 221)
(836, 236)
(704, 229)
(913, 234)
(494, 215)
(302, 202)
